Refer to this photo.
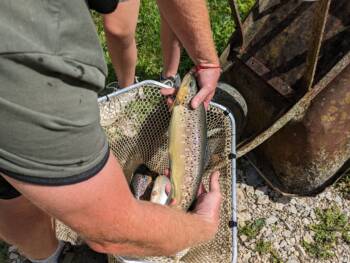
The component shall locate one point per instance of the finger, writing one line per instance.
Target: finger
(214, 182)
(169, 102)
(208, 100)
(200, 97)
(167, 91)
(201, 190)
(206, 105)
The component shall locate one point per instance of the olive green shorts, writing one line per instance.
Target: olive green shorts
(51, 68)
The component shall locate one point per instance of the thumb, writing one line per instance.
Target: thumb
(199, 98)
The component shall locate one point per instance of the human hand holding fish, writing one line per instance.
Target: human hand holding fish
(207, 78)
(207, 204)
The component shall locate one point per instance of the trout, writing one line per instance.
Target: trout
(159, 194)
(187, 144)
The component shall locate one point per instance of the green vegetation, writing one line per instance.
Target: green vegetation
(332, 226)
(252, 229)
(265, 247)
(343, 186)
(3, 252)
(148, 37)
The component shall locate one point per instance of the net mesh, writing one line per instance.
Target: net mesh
(136, 123)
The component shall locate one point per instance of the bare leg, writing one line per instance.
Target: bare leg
(171, 49)
(27, 227)
(120, 29)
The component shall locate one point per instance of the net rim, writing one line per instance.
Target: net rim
(227, 112)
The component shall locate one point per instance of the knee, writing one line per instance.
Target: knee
(125, 36)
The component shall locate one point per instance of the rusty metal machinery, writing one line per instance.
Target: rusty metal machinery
(290, 61)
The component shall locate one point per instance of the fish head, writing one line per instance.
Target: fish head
(188, 89)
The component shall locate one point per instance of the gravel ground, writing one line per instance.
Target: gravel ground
(286, 220)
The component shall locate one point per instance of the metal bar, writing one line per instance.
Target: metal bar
(239, 42)
(233, 181)
(277, 83)
(134, 86)
(319, 23)
(298, 108)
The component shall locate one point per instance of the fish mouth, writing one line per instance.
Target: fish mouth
(188, 83)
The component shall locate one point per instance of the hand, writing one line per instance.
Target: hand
(169, 93)
(207, 80)
(208, 203)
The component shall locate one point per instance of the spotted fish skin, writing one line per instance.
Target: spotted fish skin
(187, 144)
(141, 186)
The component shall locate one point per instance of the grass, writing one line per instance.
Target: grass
(148, 37)
(265, 247)
(252, 229)
(333, 225)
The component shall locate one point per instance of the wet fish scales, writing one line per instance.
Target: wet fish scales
(187, 144)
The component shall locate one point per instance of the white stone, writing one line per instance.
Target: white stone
(263, 199)
(240, 194)
(286, 233)
(338, 200)
(271, 220)
(301, 250)
(291, 242)
(246, 258)
(283, 244)
(313, 215)
(292, 210)
(259, 193)
(12, 249)
(293, 201)
(293, 260)
(244, 216)
(279, 206)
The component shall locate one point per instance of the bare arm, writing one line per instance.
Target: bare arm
(103, 211)
(190, 22)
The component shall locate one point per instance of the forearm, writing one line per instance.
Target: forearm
(157, 230)
(190, 22)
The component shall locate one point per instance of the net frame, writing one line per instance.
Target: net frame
(67, 234)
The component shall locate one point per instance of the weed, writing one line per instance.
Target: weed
(343, 186)
(252, 229)
(332, 225)
(264, 248)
